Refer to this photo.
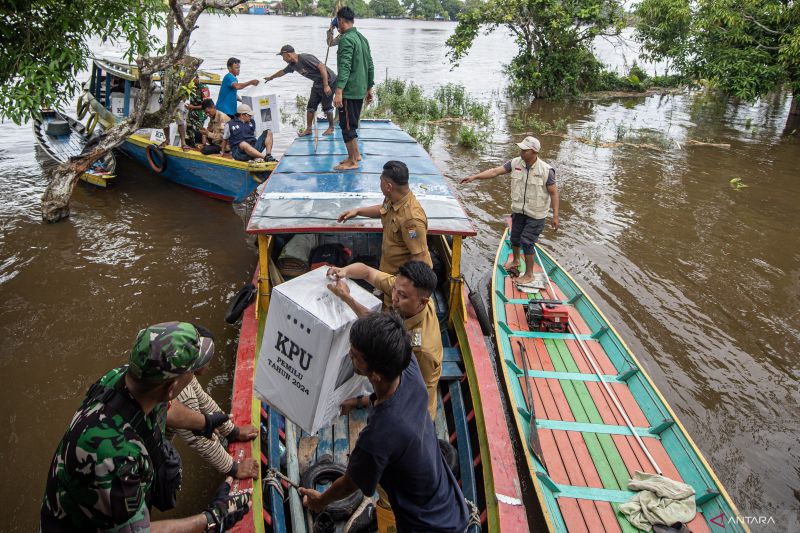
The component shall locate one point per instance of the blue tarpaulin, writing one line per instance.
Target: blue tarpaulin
(304, 193)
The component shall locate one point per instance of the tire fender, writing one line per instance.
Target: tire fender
(156, 158)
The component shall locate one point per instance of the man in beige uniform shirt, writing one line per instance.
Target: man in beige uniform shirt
(410, 291)
(405, 225)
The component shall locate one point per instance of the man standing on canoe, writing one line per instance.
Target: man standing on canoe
(410, 292)
(405, 224)
(397, 448)
(354, 83)
(105, 474)
(533, 191)
(324, 80)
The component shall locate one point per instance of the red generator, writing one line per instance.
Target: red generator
(550, 317)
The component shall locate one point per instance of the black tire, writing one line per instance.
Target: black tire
(450, 455)
(156, 158)
(326, 471)
(481, 314)
(239, 303)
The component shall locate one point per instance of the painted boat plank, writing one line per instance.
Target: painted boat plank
(275, 499)
(573, 517)
(306, 451)
(462, 441)
(293, 472)
(608, 519)
(341, 445)
(357, 421)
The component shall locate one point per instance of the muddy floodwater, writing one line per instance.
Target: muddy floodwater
(700, 277)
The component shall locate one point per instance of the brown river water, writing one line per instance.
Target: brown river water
(702, 280)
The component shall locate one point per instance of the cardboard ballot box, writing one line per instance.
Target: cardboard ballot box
(266, 113)
(303, 367)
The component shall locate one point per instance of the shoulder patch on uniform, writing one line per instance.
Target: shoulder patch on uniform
(412, 232)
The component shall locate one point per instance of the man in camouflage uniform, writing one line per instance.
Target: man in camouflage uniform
(196, 117)
(101, 473)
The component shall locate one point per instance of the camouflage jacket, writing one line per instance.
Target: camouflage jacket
(101, 472)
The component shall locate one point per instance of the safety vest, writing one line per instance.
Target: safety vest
(241, 131)
(529, 194)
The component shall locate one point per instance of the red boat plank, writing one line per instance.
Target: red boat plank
(573, 517)
(698, 524)
(605, 404)
(503, 464)
(242, 399)
(608, 518)
(597, 352)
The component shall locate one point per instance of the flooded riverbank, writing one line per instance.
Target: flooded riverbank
(700, 278)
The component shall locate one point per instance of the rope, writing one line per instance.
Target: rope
(474, 515)
(271, 480)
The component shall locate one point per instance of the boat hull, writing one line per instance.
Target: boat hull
(216, 177)
(583, 451)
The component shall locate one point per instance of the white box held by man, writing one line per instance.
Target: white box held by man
(303, 367)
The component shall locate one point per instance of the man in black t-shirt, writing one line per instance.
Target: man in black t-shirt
(324, 80)
(398, 446)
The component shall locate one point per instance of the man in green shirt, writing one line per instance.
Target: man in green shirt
(355, 80)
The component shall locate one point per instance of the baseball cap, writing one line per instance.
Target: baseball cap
(286, 48)
(530, 143)
(167, 350)
(244, 108)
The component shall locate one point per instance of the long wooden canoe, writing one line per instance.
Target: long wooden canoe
(581, 449)
(303, 195)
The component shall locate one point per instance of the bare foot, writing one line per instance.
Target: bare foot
(525, 279)
(346, 159)
(346, 165)
(511, 264)
(304, 133)
(329, 131)
(163, 144)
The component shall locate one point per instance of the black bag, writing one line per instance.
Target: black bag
(165, 458)
(332, 253)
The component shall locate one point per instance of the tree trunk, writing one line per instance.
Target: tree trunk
(795, 107)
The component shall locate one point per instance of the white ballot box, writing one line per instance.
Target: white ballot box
(304, 370)
(266, 113)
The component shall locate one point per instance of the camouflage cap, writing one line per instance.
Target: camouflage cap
(166, 351)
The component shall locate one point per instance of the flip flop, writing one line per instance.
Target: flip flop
(325, 133)
(513, 272)
(304, 134)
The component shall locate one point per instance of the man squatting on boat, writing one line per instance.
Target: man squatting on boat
(533, 191)
(114, 461)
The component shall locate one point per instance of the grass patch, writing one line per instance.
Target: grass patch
(406, 104)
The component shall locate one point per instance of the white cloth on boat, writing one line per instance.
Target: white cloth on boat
(659, 500)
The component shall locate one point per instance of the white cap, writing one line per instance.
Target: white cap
(244, 108)
(530, 143)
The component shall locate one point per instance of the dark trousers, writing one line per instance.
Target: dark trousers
(525, 231)
(349, 114)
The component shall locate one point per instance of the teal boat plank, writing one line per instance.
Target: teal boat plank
(274, 459)
(591, 428)
(462, 443)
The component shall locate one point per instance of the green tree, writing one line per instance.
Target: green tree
(387, 8)
(327, 8)
(44, 45)
(453, 8)
(424, 9)
(554, 40)
(747, 48)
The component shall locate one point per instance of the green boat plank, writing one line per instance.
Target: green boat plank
(626, 526)
(603, 451)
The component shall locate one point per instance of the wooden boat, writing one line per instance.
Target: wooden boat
(303, 195)
(219, 177)
(582, 444)
(62, 137)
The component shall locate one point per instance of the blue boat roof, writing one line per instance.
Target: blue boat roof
(305, 194)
